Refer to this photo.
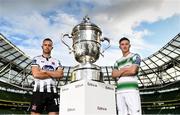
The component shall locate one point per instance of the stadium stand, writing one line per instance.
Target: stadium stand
(159, 79)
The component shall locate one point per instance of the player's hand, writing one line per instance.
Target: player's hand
(115, 73)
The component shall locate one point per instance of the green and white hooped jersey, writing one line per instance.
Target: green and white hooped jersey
(127, 83)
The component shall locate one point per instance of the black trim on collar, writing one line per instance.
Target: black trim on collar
(47, 58)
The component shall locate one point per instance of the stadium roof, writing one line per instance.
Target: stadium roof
(160, 68)
(163, 66)
(14, 65)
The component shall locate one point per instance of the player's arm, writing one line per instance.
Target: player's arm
(56, 74)
(129, 70)
(115, 71)
(126, 71)
(38, 73)
(133, 69)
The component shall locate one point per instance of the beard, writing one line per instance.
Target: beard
(45, 51)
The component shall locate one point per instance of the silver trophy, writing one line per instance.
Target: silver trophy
(86, 47)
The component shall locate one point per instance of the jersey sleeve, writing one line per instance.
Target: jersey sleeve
(34, 62)
(136, 59)
(116, 65)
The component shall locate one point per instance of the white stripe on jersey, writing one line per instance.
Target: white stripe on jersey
(35, 86)
(55, 91)
(41, 87)
(48, 87)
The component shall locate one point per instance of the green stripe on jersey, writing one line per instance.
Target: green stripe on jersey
(127, 85)
(125, 61)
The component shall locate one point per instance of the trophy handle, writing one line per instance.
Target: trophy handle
(69, 36)
(105, 39)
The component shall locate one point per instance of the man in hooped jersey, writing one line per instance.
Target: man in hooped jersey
(45, 70)
(125, 71)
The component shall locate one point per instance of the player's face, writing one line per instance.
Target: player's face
(124, 46)
(47, 47)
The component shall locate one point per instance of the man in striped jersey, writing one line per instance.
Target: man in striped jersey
(45, 71)
(125, 71)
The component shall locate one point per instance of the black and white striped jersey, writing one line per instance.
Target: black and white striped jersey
(48, 64)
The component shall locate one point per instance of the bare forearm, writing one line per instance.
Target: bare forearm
(55, 74)
(116, 73)
(125, 72)
(41, 75)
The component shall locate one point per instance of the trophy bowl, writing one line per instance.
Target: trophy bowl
(87, 40)
(86, 45)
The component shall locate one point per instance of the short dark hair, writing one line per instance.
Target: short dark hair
(47, 39)
(124, 38)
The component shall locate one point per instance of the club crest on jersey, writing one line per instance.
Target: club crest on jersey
(34, 107)
(53, 63)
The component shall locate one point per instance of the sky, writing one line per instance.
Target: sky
(149, 24)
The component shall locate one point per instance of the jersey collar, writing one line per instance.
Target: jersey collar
(47, 58)
(127, 55)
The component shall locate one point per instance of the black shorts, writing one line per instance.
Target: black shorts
(44, 101)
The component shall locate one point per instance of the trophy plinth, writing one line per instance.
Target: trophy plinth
(87, 98)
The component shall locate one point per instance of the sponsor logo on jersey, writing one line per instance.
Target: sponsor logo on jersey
(48, 68)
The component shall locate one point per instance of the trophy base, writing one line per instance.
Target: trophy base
(87, 71)
(87, 97)
(101, 81)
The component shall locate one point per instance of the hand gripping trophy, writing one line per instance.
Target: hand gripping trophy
(86, 47)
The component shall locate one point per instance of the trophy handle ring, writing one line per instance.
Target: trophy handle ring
(108, 40)
(62, 40)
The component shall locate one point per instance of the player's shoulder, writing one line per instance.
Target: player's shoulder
(55, 60)
(38, 57)
(135, 55)
(119, 59)
(36, 60)
(136, 58)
